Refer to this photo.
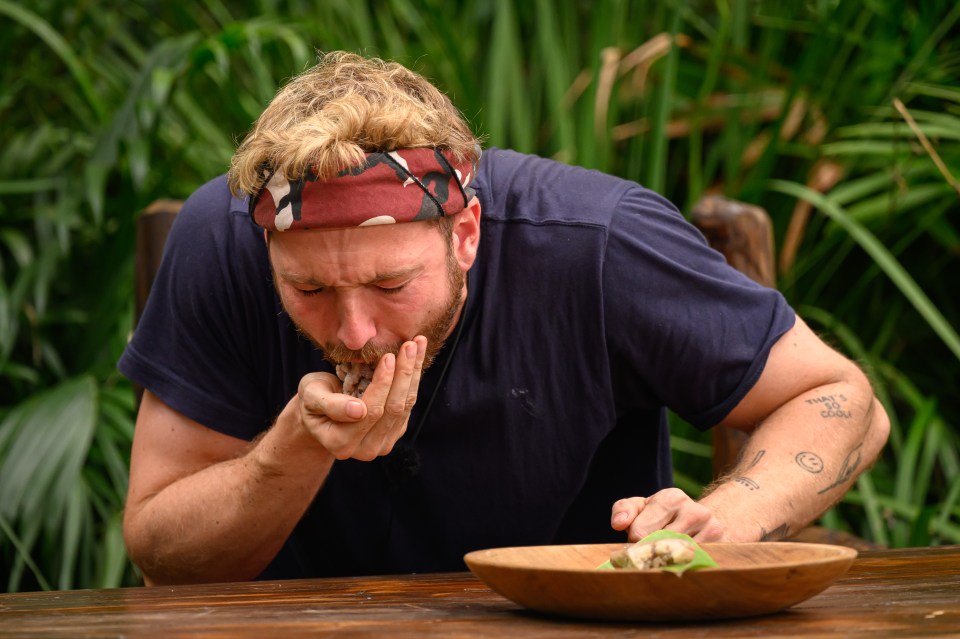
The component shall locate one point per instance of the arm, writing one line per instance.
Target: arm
(815, 425)
(204, 507)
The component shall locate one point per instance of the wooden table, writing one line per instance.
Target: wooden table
(896, 593)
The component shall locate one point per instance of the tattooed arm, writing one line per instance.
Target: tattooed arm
(815, 425)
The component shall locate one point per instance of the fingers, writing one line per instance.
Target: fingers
(399, 400)
(669, 509)
(625, 512)
(365, 429)
(421, 343)
(332, 418)
(320, 394)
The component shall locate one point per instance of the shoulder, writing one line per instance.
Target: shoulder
(215, 255)
(212, 202)
(214, 219)
(515, 188)
(519, 187)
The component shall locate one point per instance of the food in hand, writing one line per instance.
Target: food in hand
(355, 376)
(654, 554)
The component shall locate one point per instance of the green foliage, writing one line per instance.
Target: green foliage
(789, 105)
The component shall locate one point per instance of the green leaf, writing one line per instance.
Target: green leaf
(934, 90)
(889, 264)
(60, 47)
(23, 553)
(693, 448)
(43, 446)
(35, 185)
(657, 167)
(900, 131)
(113, 554)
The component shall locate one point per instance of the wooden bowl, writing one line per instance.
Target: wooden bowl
(750, 579)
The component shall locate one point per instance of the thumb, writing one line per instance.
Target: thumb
(319, 395)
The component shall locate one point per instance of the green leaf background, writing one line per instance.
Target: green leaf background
(107, 106)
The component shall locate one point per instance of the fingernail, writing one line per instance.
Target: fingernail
(620, 518)
(355, 409)
(388, 361)
(410, 349)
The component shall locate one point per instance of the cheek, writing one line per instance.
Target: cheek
(311, 314)
(403, 316)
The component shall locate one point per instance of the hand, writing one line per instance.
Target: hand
(364, 429)
(669, 509)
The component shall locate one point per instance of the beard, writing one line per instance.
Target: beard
(436, 330)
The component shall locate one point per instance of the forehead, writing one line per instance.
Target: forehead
(348, 253)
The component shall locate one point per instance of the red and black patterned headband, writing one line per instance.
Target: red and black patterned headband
(407, 185)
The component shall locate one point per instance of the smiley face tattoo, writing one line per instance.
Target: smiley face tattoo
(810, 462)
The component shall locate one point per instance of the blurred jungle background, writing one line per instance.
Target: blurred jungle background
(840, 118)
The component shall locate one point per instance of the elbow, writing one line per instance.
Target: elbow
(136, 543)
(131, 540)
(876, 424)
(878, 430)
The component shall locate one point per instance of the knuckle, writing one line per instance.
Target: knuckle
(714, 531)
(308, 383)
(339, 445)
(318, 405)
(365, 454)
(411, 402)
(702, 512)
(674, 496)
(395, 408)
(375, 413)
(342, 453)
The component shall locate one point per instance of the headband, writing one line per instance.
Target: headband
(407, 185)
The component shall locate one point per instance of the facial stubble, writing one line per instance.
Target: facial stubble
(436, 331)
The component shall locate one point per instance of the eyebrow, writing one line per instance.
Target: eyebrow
(381, 277)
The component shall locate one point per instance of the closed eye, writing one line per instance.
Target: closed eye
(390, 290)
(312, 291)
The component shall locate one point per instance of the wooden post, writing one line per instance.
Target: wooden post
(153, 225)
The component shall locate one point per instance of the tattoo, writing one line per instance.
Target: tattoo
(780, 532)
(831, 405)
(756, 459)
(850, 465)
(746, 481)
(810, 462)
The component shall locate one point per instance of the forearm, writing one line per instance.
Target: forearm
(228, 521)
(799, 462)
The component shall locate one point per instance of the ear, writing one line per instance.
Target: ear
(466, 234)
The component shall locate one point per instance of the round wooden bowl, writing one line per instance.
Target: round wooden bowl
(750, 579)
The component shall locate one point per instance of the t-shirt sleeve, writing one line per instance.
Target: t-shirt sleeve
(199, 343)
(683, 327)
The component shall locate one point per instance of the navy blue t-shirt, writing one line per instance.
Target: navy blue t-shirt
(592, 307)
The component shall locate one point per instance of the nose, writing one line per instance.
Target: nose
(356, 323)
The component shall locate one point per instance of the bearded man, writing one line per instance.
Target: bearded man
(509, 333)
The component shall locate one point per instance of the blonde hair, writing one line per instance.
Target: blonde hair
(347, 105)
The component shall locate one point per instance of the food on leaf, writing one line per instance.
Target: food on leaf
(661, 550)
(653, 554)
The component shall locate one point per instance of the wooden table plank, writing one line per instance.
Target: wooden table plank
(899, 593)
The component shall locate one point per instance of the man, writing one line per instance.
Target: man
(529, 324)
